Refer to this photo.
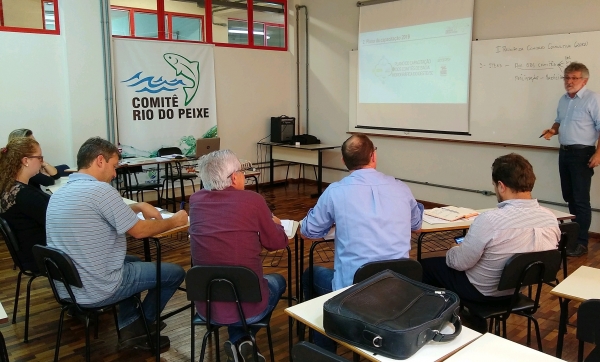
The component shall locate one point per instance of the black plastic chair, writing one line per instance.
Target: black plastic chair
(588, 328)
(520, 270)
(571, 229)
(176, 174)
(304, 351)
(408, 267)
(3, 351)
(139, 188)
(13, 247)
(235, 284)
(59, 269)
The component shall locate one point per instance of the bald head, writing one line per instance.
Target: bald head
(358, 152)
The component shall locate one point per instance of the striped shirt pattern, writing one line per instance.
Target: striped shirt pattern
(516, 226)
(87, 219)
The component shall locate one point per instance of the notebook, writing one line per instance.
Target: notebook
(204, 146)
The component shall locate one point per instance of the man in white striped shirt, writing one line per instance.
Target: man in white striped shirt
(87, 219)
(518, 225)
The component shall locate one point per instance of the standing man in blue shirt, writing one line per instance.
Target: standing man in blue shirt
(577, 125)
(373, 214)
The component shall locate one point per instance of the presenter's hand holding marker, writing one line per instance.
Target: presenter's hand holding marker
(548, 133)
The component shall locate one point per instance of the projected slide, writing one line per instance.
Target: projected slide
(426, 63)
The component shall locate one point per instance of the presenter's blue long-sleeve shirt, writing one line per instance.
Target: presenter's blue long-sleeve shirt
(373, 214)
(579, 118)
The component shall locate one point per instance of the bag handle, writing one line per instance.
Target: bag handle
(436, 335)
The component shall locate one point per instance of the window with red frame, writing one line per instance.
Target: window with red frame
(29, 16)
(142, 23)
(220, 22)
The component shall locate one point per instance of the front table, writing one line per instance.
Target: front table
(305, 154)
(311, 314)
(581, 285)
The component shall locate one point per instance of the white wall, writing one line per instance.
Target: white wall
(334, 32)
(53, 84)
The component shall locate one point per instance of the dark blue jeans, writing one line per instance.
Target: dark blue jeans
(322, 279)
(575, 183)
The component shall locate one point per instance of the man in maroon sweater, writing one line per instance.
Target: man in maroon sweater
(230, 226)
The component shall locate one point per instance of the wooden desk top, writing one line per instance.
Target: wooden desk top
(311, 314)
(581, 285)
(498, 349)
(3, 316)
(459, 225)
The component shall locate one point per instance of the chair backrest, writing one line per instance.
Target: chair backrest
(588, 321)
(203, 280)
(523, 266)
(165, 151)
(572, 231)
(11, 243)
(58, 267)
(408, 267)
(304, 351)
(3, 351)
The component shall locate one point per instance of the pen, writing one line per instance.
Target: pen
(543, 134)
(182, 206)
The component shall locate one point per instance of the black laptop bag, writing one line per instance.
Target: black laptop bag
(391, 315)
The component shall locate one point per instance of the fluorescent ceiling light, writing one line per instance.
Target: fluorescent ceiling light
(233, 31)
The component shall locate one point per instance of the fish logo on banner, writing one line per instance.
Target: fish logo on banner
(188, 69)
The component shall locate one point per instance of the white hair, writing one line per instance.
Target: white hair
(216, 169)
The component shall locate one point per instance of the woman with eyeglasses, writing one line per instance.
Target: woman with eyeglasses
(22, 205)
(48, 173)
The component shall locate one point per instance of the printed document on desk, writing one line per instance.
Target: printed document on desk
(451, 213)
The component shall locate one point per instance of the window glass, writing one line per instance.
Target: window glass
(259, 34)
(119, 20)
(49, 23)
(268, 17)
(237, 32)
(30, 16)
(275, 36)
(230, 22)
(146, 25)
(185, 28)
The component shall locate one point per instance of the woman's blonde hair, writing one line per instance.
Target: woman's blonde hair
(10, 159)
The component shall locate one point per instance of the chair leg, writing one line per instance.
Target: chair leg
(96, 325)
(528, 331)
(87, 338)
(580, 352)
(60, 327)
(204, 340)
(18, 289)
(217, 344)
(537, 333)
(504, 327)
(497, 326)
(114, 309)
(254, 347)
(27, 302)
(270, 343)
(491, 325)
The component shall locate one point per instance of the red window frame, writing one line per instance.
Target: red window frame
(16, 29)
(264, 24)
(165, 34)
(250, 20)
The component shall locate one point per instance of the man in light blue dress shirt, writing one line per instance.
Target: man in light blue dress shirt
(373, 214)
(577, 125)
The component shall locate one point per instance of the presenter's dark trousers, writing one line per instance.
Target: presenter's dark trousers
(575, 183)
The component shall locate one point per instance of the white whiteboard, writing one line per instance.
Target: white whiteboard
(515, 86)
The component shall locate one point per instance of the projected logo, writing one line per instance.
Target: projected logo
(187, 74)
(383, 69)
